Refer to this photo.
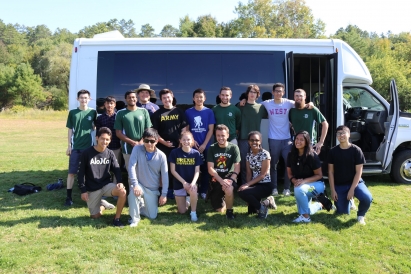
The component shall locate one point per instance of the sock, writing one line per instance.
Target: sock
(69, 191)
(193, 212)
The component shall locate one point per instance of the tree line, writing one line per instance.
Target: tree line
(35, 62)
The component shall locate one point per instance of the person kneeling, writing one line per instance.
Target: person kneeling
(304, 171)
(94, 177)
(345, 165)
(223, 162)
(147, 168)
(185, 164)
(258, 178)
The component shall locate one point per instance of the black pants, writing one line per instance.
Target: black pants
(253, 194)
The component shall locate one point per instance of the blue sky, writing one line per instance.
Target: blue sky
(371, 15)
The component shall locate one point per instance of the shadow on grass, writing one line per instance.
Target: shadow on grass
(55, 222)
(42, 200)
(168, 216)
(209, 220)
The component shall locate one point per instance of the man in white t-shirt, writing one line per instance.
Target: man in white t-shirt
(279, 137)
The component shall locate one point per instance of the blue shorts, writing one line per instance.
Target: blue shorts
(180, 192)
(74, 160)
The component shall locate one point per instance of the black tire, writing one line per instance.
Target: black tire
(401, 167)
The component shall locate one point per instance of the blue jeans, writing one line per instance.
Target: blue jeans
(279, 148)
(303, 197)
(361, 192)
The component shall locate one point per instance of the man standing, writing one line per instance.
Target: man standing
(94, 179)
(148, 167)
(223, 161)
(107, 119)
(144, 94)
(279, 137)
(251, 115)
(130, 124)
(227, 114)
(303, 118)
(169, 121)
(80, 124)
(201, 123)
(345, 164)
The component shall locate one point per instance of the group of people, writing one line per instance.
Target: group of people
(169, 154)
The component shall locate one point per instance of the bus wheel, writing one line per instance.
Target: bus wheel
(401, 167)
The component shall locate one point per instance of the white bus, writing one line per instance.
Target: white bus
(329, 70)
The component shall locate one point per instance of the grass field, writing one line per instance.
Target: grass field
(40, 235)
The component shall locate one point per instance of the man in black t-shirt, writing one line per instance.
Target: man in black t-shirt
(94, 179)
(345, 164)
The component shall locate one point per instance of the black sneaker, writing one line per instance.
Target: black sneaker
(118, 223)
(68, 202)
(230, 214)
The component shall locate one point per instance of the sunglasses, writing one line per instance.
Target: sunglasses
(149, 141)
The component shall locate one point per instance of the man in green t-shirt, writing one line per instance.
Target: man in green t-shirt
(227, 114)
(130, 124)
(303, 119)
(251, 115)
(223, 161)
(80, 124)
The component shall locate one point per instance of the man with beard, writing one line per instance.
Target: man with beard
(130, 124)
(303, 119)
(227, 114)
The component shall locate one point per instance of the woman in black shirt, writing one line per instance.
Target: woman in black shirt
(304, 171)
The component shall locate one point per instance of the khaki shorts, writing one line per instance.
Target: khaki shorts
(94, 197)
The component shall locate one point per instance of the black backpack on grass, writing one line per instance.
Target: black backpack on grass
(26, 188)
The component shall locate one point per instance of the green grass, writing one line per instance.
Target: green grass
(39, 235)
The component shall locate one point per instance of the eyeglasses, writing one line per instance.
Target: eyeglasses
(341, 133)
(149, 141)
(254, 140)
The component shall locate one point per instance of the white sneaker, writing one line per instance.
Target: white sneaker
(271, 202)
(194, 216)
(302, 219)
(275, 192)
(134, 224)
(352, 205)
(361, 220)
(106, 204)
(286, 192)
